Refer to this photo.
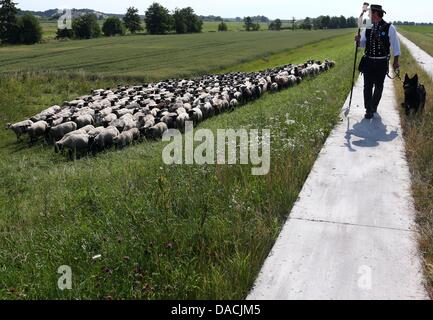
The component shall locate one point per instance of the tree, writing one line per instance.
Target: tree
(113, 26)
(132, 20)
(248, 23)
(326, 21)
(86, 27)
(334, 23)
(276, 25)
(30, 30)
(342, 22)
(186, 21)
(351, 22)
(8, 22)
(256, 26)
(65, 33)
(222, 26)
(306, 24)
(158, 20)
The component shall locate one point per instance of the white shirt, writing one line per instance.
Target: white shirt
(393, 38)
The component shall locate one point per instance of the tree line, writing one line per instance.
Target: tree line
(327, 22)
(16, 29)
(157, 19)
(26, 29)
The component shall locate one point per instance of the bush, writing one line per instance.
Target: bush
(113, 26)
(276, 25)
(65, 33)
(30, 30)
(158, 20)
(86, 27)
(132, 20)
(250, 25)
(222, 26)
(186, 21)
(9, 31)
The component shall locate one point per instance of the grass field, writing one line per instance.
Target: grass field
(419, 144)
(50, 27)
(155, 57)
(183, 232)
(421, 35)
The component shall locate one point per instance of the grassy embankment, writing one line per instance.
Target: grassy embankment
(184, 232)
(418, 131)
(421, 35)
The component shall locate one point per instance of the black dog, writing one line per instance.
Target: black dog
(414, 95)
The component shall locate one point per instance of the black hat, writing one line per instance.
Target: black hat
(376, 7)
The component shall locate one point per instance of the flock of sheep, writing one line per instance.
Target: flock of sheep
(108, 118)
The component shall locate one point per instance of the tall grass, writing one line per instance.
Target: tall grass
(418, 132)
(163, 232)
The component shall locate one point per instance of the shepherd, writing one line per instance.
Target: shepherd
(377, 42)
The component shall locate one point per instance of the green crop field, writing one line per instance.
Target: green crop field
(155, 57)
(421, 35)
(49, 27)
(173, 232)
(210, 26)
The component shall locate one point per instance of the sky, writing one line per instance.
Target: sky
(415, 10)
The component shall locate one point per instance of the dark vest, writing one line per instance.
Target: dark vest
(378, 43)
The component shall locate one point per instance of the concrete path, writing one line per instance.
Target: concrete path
(423, 58)
(351, 234)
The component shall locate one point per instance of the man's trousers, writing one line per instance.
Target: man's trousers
(375, 72)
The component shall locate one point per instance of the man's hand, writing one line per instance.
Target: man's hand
(357, 38)
(396, 64)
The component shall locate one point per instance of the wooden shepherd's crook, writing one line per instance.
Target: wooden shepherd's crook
(364, 10)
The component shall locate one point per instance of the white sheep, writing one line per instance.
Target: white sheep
(124, 139)
(38, 129)
(84, 120)
(105, 139)
(58, 132)
(74, 143)
(20, 128)
(44, 115)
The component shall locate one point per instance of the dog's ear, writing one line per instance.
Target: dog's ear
(415, 79)
(406, 78)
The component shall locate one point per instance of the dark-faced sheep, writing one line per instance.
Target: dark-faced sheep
(181, 120)
(196, 115)
(105, 139)
(157, 131)
(124, 139)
